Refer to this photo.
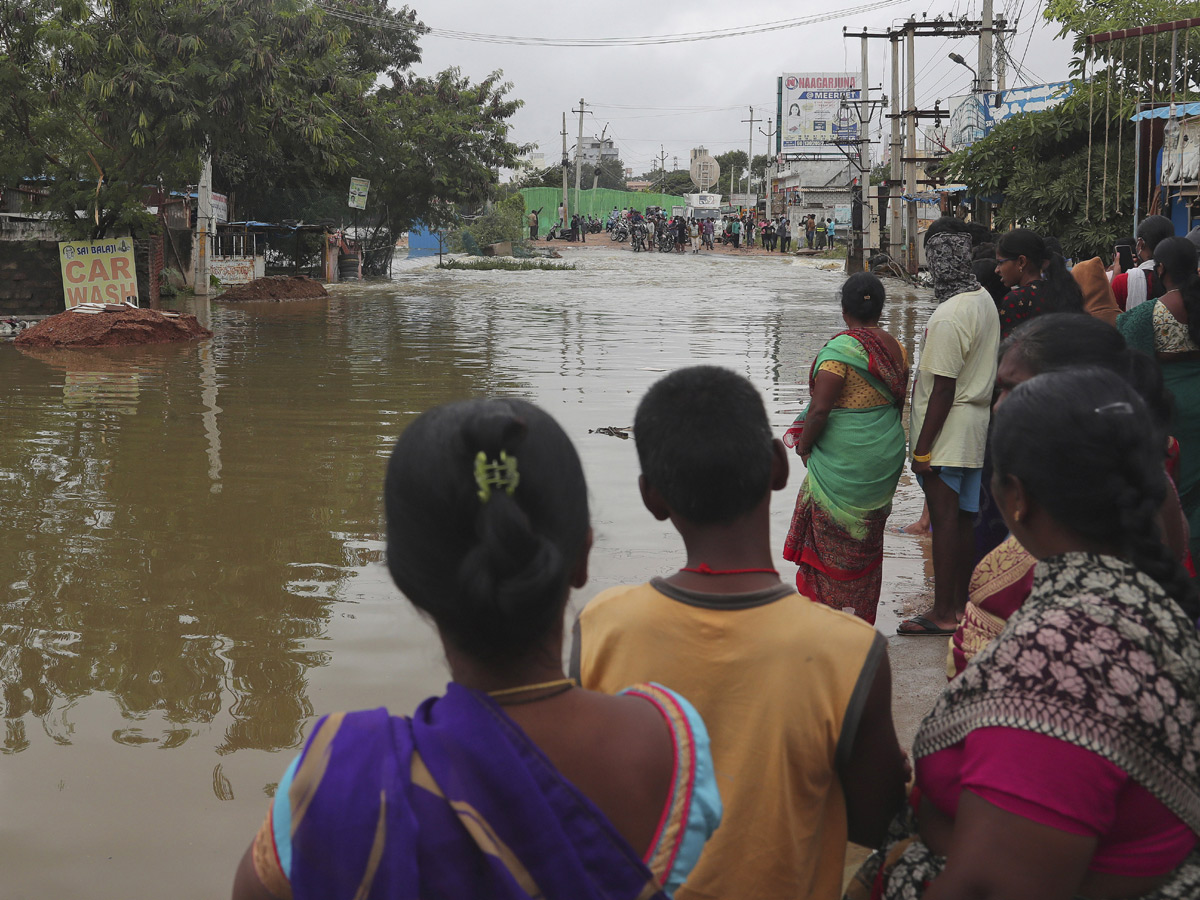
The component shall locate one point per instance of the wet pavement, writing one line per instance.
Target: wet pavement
(190, 536)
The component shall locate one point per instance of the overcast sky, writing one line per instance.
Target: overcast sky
(684, 95)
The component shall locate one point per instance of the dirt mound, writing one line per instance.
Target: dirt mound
(112, 328)
(276, 287)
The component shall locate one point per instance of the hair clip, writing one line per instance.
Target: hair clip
(500, 474)
(1119, 407)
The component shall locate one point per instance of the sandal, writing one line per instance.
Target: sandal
(924, 628)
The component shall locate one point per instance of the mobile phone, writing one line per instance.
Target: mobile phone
(1125, 252)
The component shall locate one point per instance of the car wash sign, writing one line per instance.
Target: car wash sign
(98, 271)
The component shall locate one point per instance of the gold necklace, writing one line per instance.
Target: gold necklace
(527, 688)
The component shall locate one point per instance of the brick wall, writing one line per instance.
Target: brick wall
(30, 279)
(148, 260)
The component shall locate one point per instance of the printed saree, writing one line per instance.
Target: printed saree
(836, 535)
(455, 802)
(998, 588)
(1182, 378)
(1099, 657)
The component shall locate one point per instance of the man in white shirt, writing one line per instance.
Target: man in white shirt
(951, 409)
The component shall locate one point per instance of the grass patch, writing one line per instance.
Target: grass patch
(504, 264)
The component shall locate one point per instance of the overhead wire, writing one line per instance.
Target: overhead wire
(639, 41)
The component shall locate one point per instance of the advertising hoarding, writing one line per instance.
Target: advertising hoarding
(814, 117)
(973, 116)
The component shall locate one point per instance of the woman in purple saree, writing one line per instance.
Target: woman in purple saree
(515, 784)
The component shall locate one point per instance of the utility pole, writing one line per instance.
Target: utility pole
(770, 181)
(749, 152)
(565, 164)
(662, 168)
(985, 48)
(855, 261)
(600, 159)
(204, 217)
(895, 201)
(578, 152)
(1000, 62)
(910, 163)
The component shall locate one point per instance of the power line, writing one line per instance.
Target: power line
(642, 41)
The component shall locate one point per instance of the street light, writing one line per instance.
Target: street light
(955, 57)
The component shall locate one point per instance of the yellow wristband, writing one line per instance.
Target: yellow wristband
(928, 457)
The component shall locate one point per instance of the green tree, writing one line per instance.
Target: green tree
(732, 159)
(104, 99)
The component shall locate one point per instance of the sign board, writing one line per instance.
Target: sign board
(814, 116)
(232, 269)
(704, 201)
(841, 215)
(220, 208)
(743, 199)
(1181, 153)
(358, 192)
(973, 116)
(98, 271)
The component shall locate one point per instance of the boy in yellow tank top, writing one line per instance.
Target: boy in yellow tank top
(796, 696)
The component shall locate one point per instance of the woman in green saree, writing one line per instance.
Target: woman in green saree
(852, 442)
(1169, 330)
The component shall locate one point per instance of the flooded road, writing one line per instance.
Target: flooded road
(190, 536)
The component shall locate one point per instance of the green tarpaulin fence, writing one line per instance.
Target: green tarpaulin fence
(598, 203)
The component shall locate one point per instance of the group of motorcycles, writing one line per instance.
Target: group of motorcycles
(645, 235)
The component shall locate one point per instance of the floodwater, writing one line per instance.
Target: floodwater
(191, 536)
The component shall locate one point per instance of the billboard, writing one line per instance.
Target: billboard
(973, 116)
(814, 119)
(98, 271)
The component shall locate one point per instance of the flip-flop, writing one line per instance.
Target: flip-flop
(928, 628)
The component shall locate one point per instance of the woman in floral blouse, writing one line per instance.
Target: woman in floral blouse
(1063, 761)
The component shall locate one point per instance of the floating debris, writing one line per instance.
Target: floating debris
(612, 431)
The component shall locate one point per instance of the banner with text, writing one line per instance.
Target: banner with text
(819, 111)
(98, 271)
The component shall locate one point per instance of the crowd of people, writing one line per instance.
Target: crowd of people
(718, 732)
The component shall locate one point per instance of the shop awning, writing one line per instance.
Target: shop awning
(1164, 112)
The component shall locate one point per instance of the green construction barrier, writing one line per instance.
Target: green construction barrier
(598, 203)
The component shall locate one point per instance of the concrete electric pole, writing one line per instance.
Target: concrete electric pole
(566, 212)
(749, 152)
(578, 151)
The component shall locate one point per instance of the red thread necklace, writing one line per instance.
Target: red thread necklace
(705, 569)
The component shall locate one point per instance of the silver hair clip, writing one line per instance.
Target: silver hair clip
(1120, 408)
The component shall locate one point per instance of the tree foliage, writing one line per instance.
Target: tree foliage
(103, 99)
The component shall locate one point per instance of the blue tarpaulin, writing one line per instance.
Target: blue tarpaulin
(1164, 112)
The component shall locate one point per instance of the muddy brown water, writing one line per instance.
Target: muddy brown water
(191, 536)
